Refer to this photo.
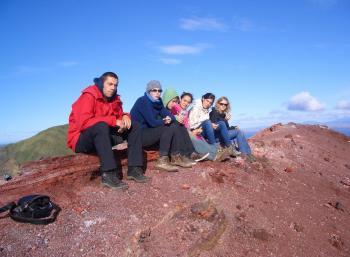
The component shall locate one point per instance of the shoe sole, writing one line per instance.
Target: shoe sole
(160, 168)
(124, 187)
(202, 158)
(182, 166)
(137, 180)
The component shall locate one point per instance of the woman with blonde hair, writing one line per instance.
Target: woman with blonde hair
(220, 114)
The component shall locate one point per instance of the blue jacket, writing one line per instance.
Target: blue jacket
(149, 114)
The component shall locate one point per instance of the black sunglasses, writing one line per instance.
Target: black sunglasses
(156, 90)
(223, 104)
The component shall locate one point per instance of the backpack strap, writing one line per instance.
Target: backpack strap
(7, 207)
(36, 221)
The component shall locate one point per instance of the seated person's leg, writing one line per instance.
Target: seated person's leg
(182, 138)
(208, 132)
(243, 143)
(97, 138)
(135, 154)
(203, 147)
(179, 146)
(222, 133)
(163, 136)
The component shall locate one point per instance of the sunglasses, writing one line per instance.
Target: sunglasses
(156, 90)
(222, 104)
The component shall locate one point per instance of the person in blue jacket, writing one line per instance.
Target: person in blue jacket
(159, 127)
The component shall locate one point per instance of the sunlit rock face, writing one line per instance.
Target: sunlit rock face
(293, 201)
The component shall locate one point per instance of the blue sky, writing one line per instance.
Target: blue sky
(277, 61)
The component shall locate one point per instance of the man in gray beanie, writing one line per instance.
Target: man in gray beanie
(158, 127)
(153, 84)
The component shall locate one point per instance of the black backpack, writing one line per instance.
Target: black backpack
(35, 209)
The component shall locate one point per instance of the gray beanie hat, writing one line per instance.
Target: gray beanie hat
(152, 85)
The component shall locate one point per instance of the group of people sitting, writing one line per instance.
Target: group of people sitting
(97, 123)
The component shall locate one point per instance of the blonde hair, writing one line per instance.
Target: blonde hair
(228, 107)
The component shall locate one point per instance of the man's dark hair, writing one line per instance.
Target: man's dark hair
(108, 74)
(187, 94)
(208, 96)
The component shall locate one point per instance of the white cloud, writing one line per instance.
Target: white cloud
(196, 23)
(170, 61)
(304, 102)
(184, 49)
(68, 63)
(343, 105)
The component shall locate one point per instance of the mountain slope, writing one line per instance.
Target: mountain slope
(50, 142)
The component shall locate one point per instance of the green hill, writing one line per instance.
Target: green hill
(50, 142)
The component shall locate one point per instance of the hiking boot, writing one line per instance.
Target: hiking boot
(136, 173)
(179, 160)
(197, 157)
(164, 164)
(234, 152)
(188, 159)
(110, 179)
(222, 154)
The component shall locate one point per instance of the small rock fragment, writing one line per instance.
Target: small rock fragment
(289, 169)
(261, 234)
(336, 241)
(185, 186)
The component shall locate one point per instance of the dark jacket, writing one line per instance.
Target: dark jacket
(215, 117)
(149, 114)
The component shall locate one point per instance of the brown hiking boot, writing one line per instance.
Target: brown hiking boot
(179, 160)
(164, 164)
(234, 152)
(222, 154)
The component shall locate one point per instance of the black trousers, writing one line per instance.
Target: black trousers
(183, 140)
(172, 139)
(100, 137)
(163, 136)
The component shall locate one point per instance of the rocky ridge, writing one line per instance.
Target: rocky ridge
(293, 201)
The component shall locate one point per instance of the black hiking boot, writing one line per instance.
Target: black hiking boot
(136, 173)
(110, 179)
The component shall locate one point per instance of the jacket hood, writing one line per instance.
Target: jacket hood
(99, 84)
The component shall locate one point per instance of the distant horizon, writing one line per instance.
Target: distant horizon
(249, 132)
(275, 61)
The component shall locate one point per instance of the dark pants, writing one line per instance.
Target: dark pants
(100, 137)
(172, 139)
(163, 136)
(183, 140)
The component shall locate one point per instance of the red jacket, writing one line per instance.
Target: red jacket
(89, 109)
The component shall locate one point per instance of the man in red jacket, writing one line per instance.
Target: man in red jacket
(97, 121)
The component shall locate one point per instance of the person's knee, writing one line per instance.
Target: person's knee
(173, 126)
(101, 127)
(221, 124)
(206, 123)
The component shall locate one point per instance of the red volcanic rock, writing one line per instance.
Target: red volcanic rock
(232, 208)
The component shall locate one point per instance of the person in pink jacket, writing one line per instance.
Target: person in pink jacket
(178, 107)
